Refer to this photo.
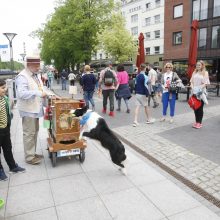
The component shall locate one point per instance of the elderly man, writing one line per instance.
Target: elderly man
(30, 94)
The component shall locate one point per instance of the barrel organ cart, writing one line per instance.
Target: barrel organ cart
(64, 130)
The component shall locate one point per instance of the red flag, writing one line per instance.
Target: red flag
(193, 48)
(141, 54)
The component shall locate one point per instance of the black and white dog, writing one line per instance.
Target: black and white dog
(95, 127)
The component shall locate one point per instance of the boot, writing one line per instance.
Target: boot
(112, 114)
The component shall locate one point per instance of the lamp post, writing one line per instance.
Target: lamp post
(23, 56)
(10, 37)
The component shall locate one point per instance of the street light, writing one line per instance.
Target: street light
(23, 56)
(10, 37)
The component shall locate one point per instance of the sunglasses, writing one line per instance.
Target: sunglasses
(168, 67)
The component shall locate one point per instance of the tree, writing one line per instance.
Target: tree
(117, 41)
(70, 35)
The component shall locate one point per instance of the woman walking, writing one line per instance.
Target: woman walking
(199, 81)
(122, 90)
(88, 84)
(169, 97)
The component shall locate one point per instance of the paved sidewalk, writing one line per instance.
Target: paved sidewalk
(93, 190)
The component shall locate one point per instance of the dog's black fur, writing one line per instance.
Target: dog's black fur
(103, 133)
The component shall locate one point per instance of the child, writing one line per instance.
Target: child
(5, 139)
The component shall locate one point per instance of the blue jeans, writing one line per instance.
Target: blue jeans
(88, 97)
(171, 99)
(63, 84)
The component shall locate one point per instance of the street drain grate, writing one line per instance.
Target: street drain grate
(173, 173)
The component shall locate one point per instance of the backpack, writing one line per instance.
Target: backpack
(109, 78)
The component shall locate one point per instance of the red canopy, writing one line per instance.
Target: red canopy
(193, 48)
(141, 54)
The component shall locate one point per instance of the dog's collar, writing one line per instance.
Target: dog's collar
(85, 118)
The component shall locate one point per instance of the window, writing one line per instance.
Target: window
(148, 6)
(147, 21)
(178, 11)
(202, 38)
(157, 19)
(177, 38)
(216, 8)
(200, 9)
(157, 34)
(134, 18)
(156, 50)
(147, 50)
(147, 36)
(157, 3)
(100, 56)
(216, 37)
(134, 31)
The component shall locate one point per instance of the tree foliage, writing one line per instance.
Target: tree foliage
(70, 35)
(117, 41)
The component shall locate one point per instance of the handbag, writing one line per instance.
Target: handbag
(194, 103)
(173, 88)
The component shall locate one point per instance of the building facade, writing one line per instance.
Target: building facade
(147, 16)
(177, 24)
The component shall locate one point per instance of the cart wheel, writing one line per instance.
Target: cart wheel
(54, 158)
(49, 154)
(82, 156)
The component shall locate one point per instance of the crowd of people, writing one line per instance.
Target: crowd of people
(149, 84)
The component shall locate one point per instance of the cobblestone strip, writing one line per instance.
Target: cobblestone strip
(200, 171)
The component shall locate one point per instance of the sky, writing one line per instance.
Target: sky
(22, 17)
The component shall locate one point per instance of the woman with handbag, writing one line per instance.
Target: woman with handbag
(169, 84)
(199, 81)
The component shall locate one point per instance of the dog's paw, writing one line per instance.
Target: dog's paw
(123, 171)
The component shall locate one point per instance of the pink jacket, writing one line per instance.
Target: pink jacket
(123, 77)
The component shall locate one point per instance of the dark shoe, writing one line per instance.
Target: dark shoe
(39, 156)
(3, 176)
(17, 170)
(112, 114)
(128, 111)
(156, 105)
(34, 161)
(118, 109)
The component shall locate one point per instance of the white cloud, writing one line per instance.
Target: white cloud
(22, 17)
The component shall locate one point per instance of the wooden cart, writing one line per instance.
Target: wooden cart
(64, 130)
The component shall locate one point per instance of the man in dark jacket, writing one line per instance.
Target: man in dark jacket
(64, 77)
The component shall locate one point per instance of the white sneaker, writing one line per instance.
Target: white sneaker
(151, 121)
(171, 121)
(135, 124)
(162, 119)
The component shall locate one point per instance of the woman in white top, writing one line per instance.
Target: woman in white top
(167, 96)
(199, 81)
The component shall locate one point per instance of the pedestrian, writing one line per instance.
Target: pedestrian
(199, 81)
(107, 83)
(169, 97)
(158, 84)
(5, 137)
(30, 94)
(88, 85)
(72, 78)
(142, 93)
(50, 77)
(64, 77)
(122, 90)
(152, 78)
